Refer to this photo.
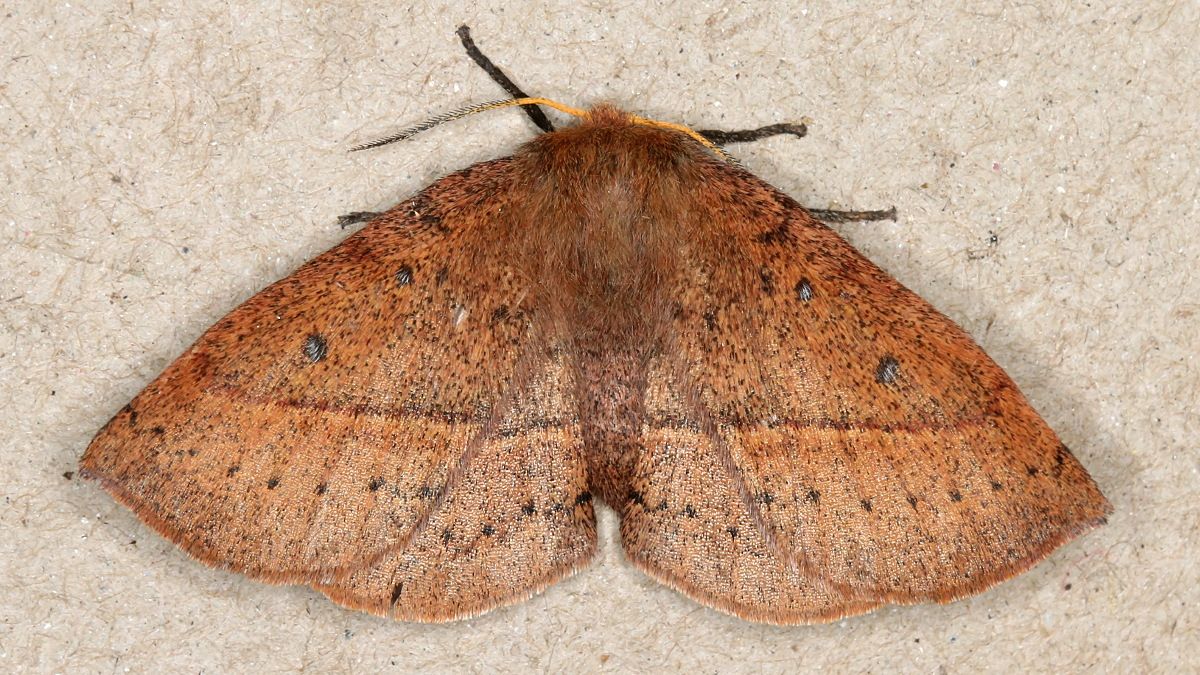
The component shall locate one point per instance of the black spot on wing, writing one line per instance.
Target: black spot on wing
(804, 290)
(315, 347)
(887, 370)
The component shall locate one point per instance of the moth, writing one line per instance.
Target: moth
(419, 422)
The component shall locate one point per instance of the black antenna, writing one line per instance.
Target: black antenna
(535, 113)
(719, 137)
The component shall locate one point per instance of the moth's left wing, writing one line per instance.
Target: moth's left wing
(687, 523)
(869, 439)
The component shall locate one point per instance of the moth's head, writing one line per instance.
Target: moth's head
(602, 116)
(606, 115)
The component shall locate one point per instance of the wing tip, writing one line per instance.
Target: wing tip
(1001, 573)
(197, 550)
(858, 602)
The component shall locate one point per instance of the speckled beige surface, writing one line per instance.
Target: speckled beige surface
(161, 165)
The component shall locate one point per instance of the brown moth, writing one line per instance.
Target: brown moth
(417, 421)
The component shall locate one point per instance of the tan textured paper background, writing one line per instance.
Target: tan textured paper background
(161, 165)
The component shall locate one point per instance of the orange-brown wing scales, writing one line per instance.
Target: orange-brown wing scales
(865, 509)
(688, 527)
(880, 446)
(520, 518)
(315, 425)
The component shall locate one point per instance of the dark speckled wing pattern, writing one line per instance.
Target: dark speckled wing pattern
(873, 451)
(410, 359)
(414, 423)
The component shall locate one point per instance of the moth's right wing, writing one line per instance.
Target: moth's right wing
(518, 519)
(328, 421)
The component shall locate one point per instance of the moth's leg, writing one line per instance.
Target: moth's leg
(828, 216)
(535, 113)
(719, 137)
(355, 217)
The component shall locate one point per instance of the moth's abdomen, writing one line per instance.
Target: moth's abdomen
(612, 387)
(602, 235)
